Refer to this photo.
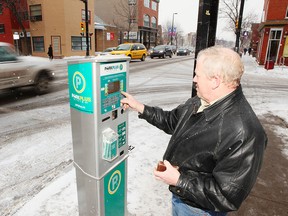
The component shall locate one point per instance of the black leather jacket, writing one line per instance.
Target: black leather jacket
(219, 151)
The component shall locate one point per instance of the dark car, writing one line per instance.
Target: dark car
(183, 51)
(161, 51)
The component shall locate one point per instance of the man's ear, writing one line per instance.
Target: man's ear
(216, 80)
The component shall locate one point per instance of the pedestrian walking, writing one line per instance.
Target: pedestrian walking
(50, 52)
(216, 149)
(249, 50)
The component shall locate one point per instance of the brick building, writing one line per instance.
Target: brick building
(273, 45)
(49, 22)
(58, 23)
(13, 26)
(136, 20)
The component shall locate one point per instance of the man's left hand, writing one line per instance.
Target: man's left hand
(170, 176)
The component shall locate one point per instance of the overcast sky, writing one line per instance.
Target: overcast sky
(187, 14)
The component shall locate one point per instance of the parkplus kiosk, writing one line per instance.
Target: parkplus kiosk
(99, 133)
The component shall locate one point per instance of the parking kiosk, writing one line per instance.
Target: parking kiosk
(99, 133)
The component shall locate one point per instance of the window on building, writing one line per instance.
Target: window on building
(2, 29)
(38, 44)
(286, 13)
(79, 43)
(1, 8)
(274, 44)
(154, 6)
(35, 12)
(153, 22)
(147, 3)
(146, 21)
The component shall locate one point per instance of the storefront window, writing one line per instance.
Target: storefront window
(274, 44)
(79, 43)
(38, 44)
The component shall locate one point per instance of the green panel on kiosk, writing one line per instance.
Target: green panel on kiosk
(80, 86)
(114, 191)
(113, 81)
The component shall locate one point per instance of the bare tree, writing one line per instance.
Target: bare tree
(126, 12)
(229, 10)
(20, 13)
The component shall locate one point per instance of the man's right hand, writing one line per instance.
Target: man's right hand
(130, 102)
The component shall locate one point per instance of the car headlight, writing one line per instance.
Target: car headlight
(161, 51)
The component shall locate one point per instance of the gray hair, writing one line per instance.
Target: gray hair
(223, 62)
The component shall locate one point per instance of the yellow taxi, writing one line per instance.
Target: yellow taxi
(133, 50)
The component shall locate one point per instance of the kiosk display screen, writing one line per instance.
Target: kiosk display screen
(113, 87)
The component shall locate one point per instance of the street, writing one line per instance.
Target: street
(36, 147)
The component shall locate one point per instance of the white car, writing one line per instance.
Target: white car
(21, 71)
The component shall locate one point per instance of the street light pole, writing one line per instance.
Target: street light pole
(86, 26)
(238, 27)
(172, 29)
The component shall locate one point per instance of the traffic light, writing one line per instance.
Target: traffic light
(82, 26)
(236, 24)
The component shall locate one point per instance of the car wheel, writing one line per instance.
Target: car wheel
(143, 58)
(151, 57)
(170, 55)
(42, 84)
(164, 55)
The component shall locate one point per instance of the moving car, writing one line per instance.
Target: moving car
(21, 71)
(161, 51)
(133, 50)
(183, 51)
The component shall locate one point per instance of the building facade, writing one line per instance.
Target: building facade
(50, 22)
(14, 21)
(59, 23)
(136, 20)
(273, 44)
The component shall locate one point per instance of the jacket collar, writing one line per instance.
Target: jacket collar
(218, 107)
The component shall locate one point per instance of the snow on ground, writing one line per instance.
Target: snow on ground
(57, 194)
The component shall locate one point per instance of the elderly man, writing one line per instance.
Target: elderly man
(217, 144)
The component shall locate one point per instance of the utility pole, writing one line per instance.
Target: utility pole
(172, 29)
(206, 28)
(238, 26)
(86, 26)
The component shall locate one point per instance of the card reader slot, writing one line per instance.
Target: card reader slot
(105, 119)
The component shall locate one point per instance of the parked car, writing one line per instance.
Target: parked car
(133, 50)
(161, 51)
(21, 71)
(182, 51)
